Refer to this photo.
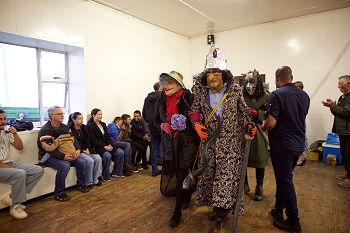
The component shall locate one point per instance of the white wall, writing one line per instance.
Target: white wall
(123, 56)
(319, 56)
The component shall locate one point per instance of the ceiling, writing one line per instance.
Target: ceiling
(192, 18)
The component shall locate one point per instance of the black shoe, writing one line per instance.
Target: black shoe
(175, 220)
(154, 174)
(128, 167)
(84, 189)
(160, 162)
(288, 225)
(145, 166)
(128, 173)
(138, 166)
(258, 193)
(277, 214)
(185, 205)
(40, 164)
(219, 225)
(99, 183)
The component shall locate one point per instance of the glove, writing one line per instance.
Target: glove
(195, 116)
(253, 113)
(166, 127)
(250, 128)
(201, 131)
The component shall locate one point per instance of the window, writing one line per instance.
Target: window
(31, 81)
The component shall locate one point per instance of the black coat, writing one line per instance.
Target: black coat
(97, 139)
(149, 111)
(184, 147)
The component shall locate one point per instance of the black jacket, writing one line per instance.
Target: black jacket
(149, 111)
(97, 139)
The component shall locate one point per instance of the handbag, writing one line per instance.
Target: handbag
(21, 125)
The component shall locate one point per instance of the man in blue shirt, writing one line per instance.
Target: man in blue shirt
(287, 108)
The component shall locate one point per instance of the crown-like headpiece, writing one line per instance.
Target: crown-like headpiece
(215, 59)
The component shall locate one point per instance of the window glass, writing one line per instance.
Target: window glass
(52, 66)
(54, 94)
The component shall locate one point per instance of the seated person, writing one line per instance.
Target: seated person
(114, 130)
(21, 176)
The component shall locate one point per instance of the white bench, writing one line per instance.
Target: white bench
(29, 154)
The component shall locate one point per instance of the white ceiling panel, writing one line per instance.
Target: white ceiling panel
(192, 18)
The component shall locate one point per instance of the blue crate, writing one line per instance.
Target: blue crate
(331, 149)
(333, 138)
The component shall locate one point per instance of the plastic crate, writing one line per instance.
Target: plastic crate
(331, 149)
(333, 138)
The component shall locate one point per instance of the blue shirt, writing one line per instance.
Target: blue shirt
(289, 106)
(114, 131)
(214, 99)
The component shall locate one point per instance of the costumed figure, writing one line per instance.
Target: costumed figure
(255, 97)
(218, 98)
(178, 139)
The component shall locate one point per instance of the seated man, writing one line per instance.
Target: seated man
(114, 130)
(21, 176)
(60, 161)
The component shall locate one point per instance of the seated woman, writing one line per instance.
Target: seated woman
(101, 142)
(81, 134)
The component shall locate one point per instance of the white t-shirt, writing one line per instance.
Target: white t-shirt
(5, 142)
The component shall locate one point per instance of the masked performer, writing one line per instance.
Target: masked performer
(179, 139)
(255, 97)
(217, 98)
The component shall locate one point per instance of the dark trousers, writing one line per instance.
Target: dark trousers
(283, 162)
(345, 152)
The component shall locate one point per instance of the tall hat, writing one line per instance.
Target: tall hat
(215, 59)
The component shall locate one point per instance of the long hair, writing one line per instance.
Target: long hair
(72, 117)
(93, 113)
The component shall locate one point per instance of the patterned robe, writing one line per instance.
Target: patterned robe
(218, 185)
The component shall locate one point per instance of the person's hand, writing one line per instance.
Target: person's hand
(250, 129)
(253, 113)
(68, 157)
(108, 148)
(12, 130)
(328, 102)
(166, 127)
(87, 151)
(201, 131)
(77, 154)
(195, 116)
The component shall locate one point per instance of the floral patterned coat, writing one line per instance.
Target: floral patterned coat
(218, 185)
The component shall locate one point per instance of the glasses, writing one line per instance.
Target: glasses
(58, 114)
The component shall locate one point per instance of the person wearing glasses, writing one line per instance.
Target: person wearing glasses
(60, 161)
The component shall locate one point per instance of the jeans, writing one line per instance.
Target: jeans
(62, 167)
(22, 179)
(96, 168)
(126, 147)
(106, 162)
(155, 153)
(92, 169)
(118, 159)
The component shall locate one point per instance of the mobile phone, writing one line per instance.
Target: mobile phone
(6, 128)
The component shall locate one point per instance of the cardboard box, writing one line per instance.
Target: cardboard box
(312, 155)
(331, 149)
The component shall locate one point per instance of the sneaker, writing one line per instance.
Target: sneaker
(345, 183)
(145, 166)
(128, 167)
(139, 167)
(105, 179)
(258, 193)
(17, 212)
(117, 176)
(342, 177)
(8, 202)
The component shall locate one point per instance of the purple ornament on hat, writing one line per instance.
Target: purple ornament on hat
(215, 54)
